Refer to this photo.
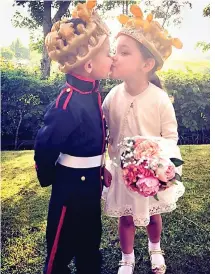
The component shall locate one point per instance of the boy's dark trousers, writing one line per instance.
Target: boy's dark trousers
(74, 221)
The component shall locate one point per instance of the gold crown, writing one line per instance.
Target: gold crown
(149, 33)
(71, 50)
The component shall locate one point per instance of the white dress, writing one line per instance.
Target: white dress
(148, 114)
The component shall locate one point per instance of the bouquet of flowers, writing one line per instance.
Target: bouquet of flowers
(147, 168)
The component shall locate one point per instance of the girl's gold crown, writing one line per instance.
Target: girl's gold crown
(149, 33)
(72, 44)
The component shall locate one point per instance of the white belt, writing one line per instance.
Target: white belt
(80, 162)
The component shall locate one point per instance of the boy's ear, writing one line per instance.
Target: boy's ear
(149, 64)
(88, 66)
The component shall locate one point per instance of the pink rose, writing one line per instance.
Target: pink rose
(170, 172)
(130, 174)
(144, 172)
(166, 171)
(148, 186)
(146, 148)
(139, 141)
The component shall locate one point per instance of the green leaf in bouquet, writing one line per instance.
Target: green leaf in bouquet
(174, 182)
(178, 177)
(156, 197)
(177, 162)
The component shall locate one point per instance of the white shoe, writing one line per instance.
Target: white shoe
(126, 267)
(157, 269)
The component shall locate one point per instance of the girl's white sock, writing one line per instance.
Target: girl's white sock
(127, 258)
(157, 259)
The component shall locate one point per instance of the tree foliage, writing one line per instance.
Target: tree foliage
(201, 44)
(19, 50)
(15, 50)
(206, 11)
(41, 14)
(168, 11)
(7, 53)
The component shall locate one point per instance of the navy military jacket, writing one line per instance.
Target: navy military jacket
(74, 124)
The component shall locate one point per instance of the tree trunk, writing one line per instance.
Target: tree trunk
(62, 10)
(17, 130)
(45, 64)
(166, 15)
(126, 7)
(47, 24)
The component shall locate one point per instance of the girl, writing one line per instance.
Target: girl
(138, 107)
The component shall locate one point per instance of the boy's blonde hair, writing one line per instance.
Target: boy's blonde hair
(72, 42)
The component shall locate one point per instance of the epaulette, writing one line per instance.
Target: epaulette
(63, 98)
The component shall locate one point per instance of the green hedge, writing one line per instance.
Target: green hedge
(25, 98)
(191, 92)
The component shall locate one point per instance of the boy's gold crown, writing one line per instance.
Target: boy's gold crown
(71, 49)
(87, 13)
(149, 33)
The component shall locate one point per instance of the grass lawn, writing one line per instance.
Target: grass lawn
(24, 209)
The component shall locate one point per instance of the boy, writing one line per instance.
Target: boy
(70, 147)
